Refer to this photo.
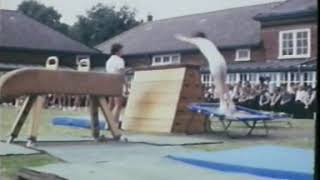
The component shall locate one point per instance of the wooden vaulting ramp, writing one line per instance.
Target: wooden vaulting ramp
(159, 97)
(36, 82)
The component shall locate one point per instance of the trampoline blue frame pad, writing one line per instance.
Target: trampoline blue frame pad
(267, 161)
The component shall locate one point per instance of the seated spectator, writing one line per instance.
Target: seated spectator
(264, 100)
(275, 100)
(236, 93)
(312, 103)
(243, 96)
(310, 99)
(286, 100)
(300, 102)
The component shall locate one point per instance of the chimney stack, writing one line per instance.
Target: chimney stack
(149, 18)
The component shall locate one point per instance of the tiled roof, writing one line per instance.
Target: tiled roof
(226, 28)
(290, 8)
(18, 31)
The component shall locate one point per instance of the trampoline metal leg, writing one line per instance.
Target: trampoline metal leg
(247, 124)
(266, 127)
(252, 128)
(208, 126)
(225, 126)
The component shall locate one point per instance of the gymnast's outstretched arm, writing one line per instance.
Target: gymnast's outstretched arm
(184, 39)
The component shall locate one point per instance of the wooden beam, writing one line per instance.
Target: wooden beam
(21, 118)
(36, 118)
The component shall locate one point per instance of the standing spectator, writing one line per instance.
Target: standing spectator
(116, 65)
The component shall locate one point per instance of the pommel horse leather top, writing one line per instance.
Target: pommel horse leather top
(25, 82)
(34, 82)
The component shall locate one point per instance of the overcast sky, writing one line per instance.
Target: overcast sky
(160, 9)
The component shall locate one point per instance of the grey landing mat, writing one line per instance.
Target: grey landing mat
(107, 152)
(169, 139)
(23, 140)
(133, 169)
(13, 149)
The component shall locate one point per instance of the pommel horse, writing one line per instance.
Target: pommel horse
(35, 82)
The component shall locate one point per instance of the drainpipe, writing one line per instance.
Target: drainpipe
(299, 73)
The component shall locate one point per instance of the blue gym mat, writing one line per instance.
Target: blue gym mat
(267, 161)
(76, 123)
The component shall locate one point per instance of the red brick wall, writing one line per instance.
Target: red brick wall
(270, 38)
(19, 57)
(257, 54)
(137, 61)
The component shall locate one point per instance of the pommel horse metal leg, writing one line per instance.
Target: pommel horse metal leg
(94, 115)
(21, 118)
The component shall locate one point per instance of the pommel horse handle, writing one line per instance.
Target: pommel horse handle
(84, 65)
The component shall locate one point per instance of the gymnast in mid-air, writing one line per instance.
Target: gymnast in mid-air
(217, 67)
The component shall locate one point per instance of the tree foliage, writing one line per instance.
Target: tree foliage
(46, 15)
(102, 22)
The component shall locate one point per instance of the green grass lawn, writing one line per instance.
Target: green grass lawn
(11, 164)
(47, 130)
(301, 135)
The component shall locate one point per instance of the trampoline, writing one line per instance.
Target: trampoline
(249, 117)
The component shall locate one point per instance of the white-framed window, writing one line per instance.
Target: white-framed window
(284, 78)
(294, 77)
(166, 59)
(295, 43)
(308, 78)
(206, 80)
(243, 55)
(232, 78)
(253, 78)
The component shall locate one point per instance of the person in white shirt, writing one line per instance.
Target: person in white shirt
(115, 65)
(217, 66)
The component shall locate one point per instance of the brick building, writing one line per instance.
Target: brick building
(276, 40)
(25, 42)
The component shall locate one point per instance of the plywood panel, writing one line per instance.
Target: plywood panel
(153, 100)
(170, 86)
(148, 125)
(151, 111)
(159, 75)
